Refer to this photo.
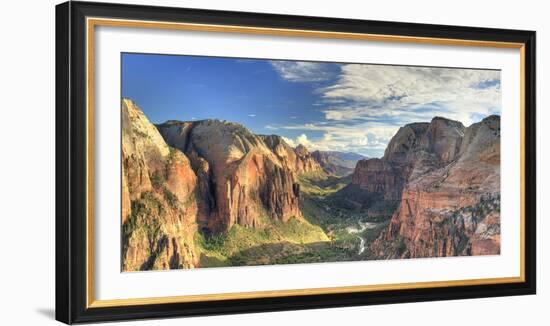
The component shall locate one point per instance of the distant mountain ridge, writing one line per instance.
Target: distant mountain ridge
(337, 163)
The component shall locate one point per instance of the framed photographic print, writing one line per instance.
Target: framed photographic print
(212, 162)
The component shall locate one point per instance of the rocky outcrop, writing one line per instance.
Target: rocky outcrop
(450, 200)
(379, 176)
(377, 184)
(305, 161)
(407, 137)
(159, 207)
(243, 178)
(298, 159)
(338, 164)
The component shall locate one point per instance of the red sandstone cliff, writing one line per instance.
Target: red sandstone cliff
(158, 198)
(242, 177)
(450, 200)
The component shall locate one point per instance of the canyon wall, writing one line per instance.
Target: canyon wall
(179, 178)
(158, 201)
(449, 202)
(243, 178)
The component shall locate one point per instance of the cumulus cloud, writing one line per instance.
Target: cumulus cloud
(289, 141)
(300, 140)
(412, 93)
(300, 71)
(366, 138)
(363, 106)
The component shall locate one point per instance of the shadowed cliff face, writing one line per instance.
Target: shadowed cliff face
(377, 184)
(415, 150)
(242, 177)
(450, 199)
(158, 198)
(379, 177)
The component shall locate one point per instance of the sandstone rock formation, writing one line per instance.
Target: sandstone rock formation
(450, 199)
(298, 159)
(338, 164)
(158, 198)
(378, 176)
(305, 161)
(243, 178)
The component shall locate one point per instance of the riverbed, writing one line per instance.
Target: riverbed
(356, 230)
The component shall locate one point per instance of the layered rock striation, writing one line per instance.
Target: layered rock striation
(180, 178)
(243, 178)
(449, 197)
(158, 198)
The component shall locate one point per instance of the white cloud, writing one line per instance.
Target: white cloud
(366, 138)
(371, 91)
(289, 141)
(252, 115)
(300, 140)
(366, 104)
(300, 71)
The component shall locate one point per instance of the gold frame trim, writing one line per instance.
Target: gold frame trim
(92, 22)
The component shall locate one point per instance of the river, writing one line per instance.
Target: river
(362, 227)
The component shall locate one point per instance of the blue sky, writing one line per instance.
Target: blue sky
(325, 106)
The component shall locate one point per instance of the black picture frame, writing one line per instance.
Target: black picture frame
(71, 158)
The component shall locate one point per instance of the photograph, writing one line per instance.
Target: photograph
(225, 160)
(241, 161)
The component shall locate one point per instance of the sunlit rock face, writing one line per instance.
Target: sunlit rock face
(159, 206)
(242, 177)
(450, 199)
